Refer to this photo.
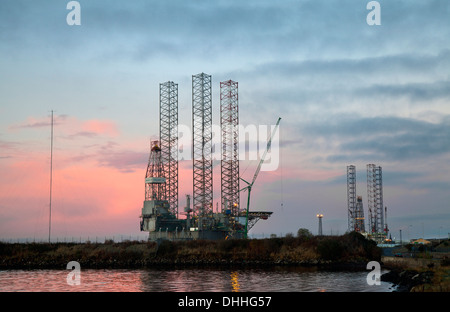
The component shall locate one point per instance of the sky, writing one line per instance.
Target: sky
(348, 93)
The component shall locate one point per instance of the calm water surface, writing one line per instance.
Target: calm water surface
(190, 280)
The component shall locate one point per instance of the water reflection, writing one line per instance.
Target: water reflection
(188, 280)
(234, 281)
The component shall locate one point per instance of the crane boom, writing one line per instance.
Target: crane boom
(269, 143)
(250, 185)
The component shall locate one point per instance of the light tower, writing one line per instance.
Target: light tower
(320, 216)
(229, 124)
(202, 145)
(168, 132)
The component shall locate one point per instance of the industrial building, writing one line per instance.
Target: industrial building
(160, 215)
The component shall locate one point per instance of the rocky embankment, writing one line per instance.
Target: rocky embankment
(415, 270)
(406, 280)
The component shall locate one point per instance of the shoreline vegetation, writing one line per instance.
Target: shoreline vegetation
(351, 251)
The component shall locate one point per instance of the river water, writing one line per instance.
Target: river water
(189, 280)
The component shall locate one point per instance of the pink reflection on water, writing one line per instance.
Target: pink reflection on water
(188, 280)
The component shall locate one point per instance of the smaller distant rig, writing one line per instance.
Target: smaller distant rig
(377, 220)
(160, 215)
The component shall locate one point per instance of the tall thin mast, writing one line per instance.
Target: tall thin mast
(51, 175)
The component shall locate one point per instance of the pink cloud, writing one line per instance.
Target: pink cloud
(100, 127)
(69, 126)
(39, 122)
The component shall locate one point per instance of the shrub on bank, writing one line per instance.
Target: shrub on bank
(351, 246)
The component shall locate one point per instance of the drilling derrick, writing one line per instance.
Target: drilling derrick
(202, 148)
(229, 123)
(156, 217)
(155, 189)
(155, 182)
(168, 131)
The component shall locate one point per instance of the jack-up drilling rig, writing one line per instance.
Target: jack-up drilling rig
(160, 210)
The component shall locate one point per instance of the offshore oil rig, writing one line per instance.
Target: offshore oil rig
(377, 218)
(160, 214)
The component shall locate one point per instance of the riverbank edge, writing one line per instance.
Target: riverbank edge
(351, 250)
(413, 275)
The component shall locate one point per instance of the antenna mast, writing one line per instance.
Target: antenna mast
(51, 175)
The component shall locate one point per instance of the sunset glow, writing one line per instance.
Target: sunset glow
(347, 93)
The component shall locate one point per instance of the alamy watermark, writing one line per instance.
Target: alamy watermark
(74, 276)
(254, 141)
(373, 278)
(73, 18)
(374, 16)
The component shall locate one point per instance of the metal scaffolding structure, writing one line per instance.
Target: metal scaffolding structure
(202, 145)
(168, 132)
(355, 205)
(229, 124)
(160, 208)
(351, 196)
(375, 199)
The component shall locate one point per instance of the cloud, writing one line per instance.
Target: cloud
(7, 148)
(176, 31)
(100, 127)
(71, 127)
(305, 91)
(381, 138)
(40, 122)
(415, 93)
(124, 161)
(368, 65)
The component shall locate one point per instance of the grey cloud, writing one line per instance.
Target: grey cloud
(124, 161)
(368, 68)
(140, 30)
(307, 88)
(414, 92)
(57, 120)
(382, 138)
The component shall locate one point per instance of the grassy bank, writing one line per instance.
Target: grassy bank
(424, 272)
(415, 278)
(350, 250)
